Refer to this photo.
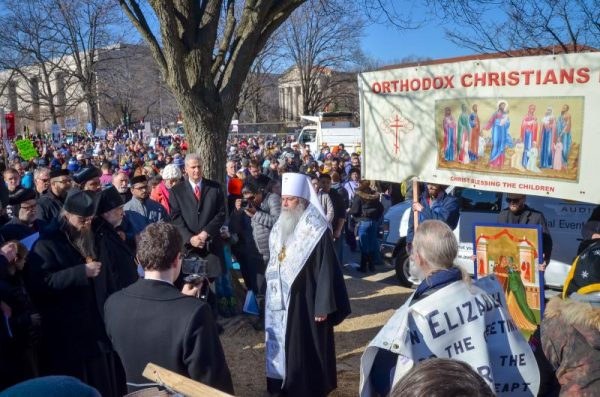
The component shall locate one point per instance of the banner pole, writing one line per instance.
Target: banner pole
(415, 193)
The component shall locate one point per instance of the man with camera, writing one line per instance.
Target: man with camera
(263, 208)
(168, 327)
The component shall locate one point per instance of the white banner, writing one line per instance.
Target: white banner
(467, 324)
(522, 125)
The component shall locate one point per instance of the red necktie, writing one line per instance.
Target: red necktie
(197, 193)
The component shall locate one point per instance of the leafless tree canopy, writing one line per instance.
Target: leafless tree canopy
(31, 51)
(322, 38)
(258, 100)
(87, 28)
(503, 26)
(55, 45)
(205, 51)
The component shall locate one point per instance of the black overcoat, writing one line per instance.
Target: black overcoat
(192, 217)
(152, 321)
(73, 330)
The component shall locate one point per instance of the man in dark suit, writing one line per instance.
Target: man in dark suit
(50, 204)
(198, 212)
(152, 321)
(24, 223)
(520, 214)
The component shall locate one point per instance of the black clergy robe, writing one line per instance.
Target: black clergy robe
(318, 290)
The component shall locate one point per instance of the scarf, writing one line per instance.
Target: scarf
(438, 280)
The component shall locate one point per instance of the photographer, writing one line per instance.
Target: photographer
(168, 326)
(263, 208)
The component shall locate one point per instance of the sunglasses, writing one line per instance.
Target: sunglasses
(513, 200)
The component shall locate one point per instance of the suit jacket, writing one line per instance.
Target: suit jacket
(15, 230)
(192, 217)
(49, 207)
(119, 269)
(152, 321)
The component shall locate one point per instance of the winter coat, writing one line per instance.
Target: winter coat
(263, 221)
(327, 205)
(366, 206)
(160, 194)
(571, 342)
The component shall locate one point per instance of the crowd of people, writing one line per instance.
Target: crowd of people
(99, 236)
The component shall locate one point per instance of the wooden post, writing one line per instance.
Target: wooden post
(179, 383)
(415, 192)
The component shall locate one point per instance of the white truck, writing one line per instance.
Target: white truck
(565, 220)
(330, 129)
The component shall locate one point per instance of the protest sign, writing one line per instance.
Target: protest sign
(119, 149)
(513, 254)
(165, 141)
(29, 241)
(26, 149)
(55, 133)
(71, 124)
(7, 146)
(521, 125)
(463, 322)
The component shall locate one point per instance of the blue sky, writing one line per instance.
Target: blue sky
(387, 43)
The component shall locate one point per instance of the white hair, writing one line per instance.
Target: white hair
(171, 171)
(38, 172)
(191, 157)
(435, 243)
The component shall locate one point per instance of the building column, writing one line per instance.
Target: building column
(288, 101)
(285, 103)
(298, 101)
(281, 109)
(294, 103)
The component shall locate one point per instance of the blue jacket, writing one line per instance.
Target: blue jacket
(444, 209)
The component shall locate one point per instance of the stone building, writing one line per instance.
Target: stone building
(128, 87)
(336, 91)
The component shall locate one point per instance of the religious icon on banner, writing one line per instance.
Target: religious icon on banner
(524, 136)
(513, 254)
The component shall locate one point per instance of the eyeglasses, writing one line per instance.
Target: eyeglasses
(64, 181)
(44, 180)
(143, 187)
(28, 207)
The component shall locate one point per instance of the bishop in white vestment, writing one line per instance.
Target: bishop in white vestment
(306, 296)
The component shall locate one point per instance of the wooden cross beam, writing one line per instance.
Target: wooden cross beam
(179, 383)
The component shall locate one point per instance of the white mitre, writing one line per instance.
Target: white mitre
(298, 185)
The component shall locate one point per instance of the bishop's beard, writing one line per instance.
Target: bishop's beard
(83, 240)
(289, 219)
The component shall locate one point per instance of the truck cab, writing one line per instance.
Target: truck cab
(330, 129)
(565, 220)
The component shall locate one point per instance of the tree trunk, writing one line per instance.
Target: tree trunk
(206, 133)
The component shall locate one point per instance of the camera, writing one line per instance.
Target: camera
(194, 269)
(246, 204)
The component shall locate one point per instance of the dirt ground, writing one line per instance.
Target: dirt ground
(373, 302)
